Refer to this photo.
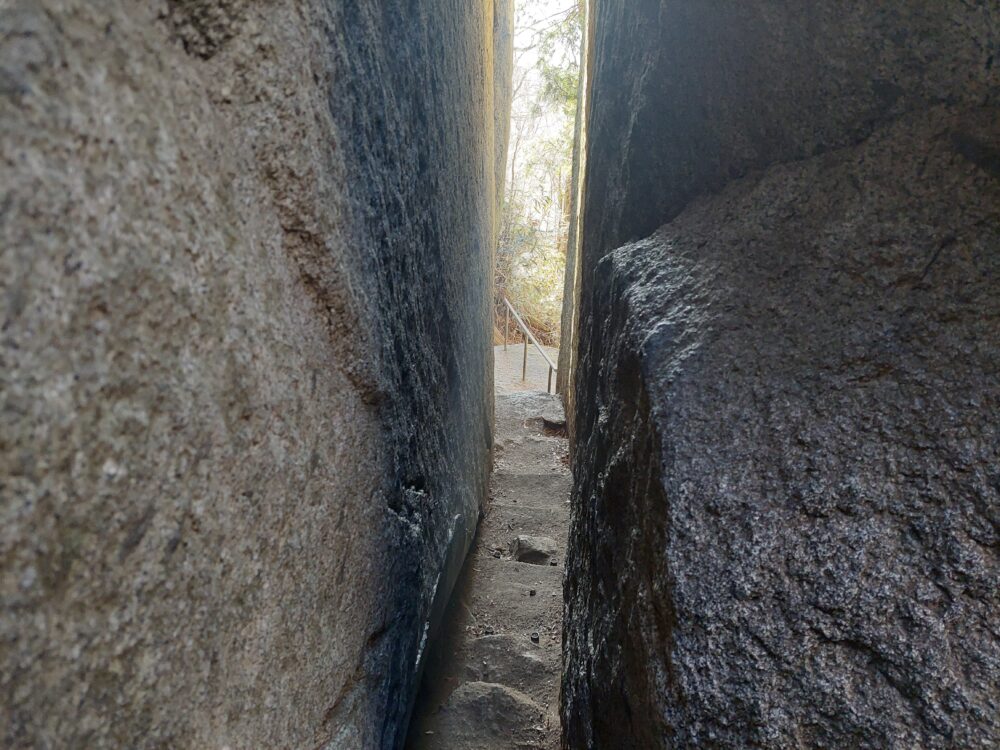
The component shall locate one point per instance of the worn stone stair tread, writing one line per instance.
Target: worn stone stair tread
(485, 716)
(523, 517)
(506, 586)
(545, 457)
(520, 479)
(527, 463)
(533, 490)
(522, 663)
(509, 527)
(515, 571)
(509, 658)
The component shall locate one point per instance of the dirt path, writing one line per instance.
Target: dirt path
(492, 680)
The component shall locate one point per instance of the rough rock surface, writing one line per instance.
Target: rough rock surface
(688, 96)
(537, 550)
(785, 524)
(244, 366)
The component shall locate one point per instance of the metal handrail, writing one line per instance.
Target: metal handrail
(528, 335)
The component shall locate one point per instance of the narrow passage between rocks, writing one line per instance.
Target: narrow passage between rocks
(492, 679)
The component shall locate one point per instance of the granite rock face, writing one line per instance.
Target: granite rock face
(785, 525)
(244, 362)
(688, 96)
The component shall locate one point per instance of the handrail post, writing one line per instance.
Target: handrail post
(506, 325)
(527, 335)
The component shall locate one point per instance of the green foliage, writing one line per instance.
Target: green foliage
(559, 59)
(531, 254)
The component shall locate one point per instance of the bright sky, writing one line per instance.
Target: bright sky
(539, 162)
(533, 13)
(531, 16)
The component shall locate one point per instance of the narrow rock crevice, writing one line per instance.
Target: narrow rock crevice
(493, 678)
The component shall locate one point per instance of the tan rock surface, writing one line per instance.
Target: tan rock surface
(243, 248)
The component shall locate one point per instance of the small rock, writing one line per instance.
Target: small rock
(534, 637)
(554, 425)
(532, 592)
(536, 550)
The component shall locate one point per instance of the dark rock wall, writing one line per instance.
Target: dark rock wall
(785, 525)
(706, 92)
(244, 362)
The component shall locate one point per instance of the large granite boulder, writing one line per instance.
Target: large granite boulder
(785, 525)
(245, 403)
(689, 96)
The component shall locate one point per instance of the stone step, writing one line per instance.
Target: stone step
(504, 587)
(531, 454)
(510, 658)
(485, 716)
(519, 518)
(532, 490)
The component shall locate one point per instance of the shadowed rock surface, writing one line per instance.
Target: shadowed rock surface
(785, 523)
(688, 96)
(244, 361)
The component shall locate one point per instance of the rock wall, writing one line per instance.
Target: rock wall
(244, 362)
(785, 528)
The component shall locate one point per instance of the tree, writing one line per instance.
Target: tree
(534, 223)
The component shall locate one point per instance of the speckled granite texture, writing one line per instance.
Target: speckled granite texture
(785, 520)
(245, 370)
